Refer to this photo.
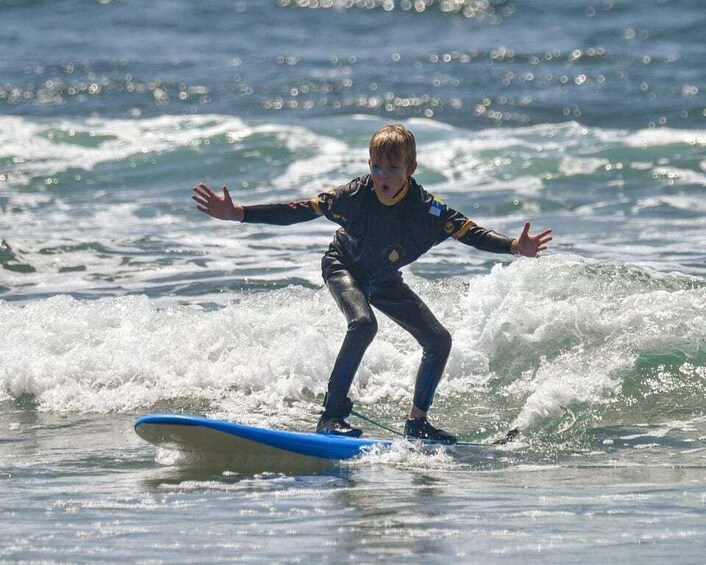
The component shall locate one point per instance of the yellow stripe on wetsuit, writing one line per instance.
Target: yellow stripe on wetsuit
(464, 229)
(315, 205)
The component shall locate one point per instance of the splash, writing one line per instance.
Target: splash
(563, 332)
(531, 340)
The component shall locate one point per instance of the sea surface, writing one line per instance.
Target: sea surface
(118, 298)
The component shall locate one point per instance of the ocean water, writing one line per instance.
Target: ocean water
(118, 298)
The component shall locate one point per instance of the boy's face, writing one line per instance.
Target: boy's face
(388, 177)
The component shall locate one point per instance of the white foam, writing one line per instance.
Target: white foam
(407, 455)
(665, 136)
(39, 150)
(47, 147)
(122, 354)
(600, 315)
(561, 331)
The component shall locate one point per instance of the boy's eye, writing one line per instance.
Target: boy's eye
(386, 171)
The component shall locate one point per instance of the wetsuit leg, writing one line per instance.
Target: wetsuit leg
(401, 304)
(362, 327)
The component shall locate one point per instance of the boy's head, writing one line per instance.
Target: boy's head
(394, 144)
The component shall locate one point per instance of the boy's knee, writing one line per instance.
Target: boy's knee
(364, 327)
(441, 343)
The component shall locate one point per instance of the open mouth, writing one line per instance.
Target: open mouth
(387, 190)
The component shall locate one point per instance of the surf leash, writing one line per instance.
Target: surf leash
(374, 423)
(507, 438)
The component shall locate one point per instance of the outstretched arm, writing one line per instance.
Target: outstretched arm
(220, 207)
(530, 245)
(223, 208)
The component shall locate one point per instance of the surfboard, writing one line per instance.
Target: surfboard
(257, 447)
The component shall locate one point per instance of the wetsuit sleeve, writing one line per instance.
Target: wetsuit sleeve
(282, 214)
(468, 232)
(337, 205)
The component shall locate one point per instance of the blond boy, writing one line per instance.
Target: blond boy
(387, 221)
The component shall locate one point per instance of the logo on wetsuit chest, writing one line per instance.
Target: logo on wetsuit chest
(393, 253)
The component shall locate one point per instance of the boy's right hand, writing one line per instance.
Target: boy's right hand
(216, 206)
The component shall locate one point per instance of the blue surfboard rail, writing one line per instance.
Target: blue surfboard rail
(303, 443)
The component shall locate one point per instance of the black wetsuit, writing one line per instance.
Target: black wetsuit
(362, 268)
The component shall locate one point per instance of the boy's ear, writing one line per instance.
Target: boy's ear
(411, 168)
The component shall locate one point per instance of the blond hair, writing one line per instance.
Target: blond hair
(395, 143)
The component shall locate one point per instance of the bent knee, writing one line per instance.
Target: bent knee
(364, 328)
(441, 342)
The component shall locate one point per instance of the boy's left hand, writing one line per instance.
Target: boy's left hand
(530, 245)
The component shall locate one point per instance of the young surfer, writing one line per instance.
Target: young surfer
(387, 221)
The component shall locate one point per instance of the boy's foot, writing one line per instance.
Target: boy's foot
(420, 428)
(337, 427)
